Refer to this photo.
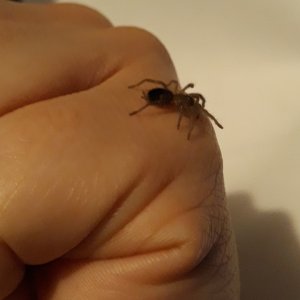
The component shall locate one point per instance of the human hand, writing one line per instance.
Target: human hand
(95, 204)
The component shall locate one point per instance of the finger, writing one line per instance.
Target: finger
(62, 55)
(74, 14)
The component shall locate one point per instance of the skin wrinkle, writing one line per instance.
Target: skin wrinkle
(50, 189)
(175, 245)
(117, 265)
(134, 255)
(53, 186)
(211, 235)
(213, 270)
(200, 204)
(84, 192)
(162, 187)
(166, 222)
(137, 213)
(77, 193)
(71, 192)
(9, 197)
(197, 206)
(161, 190)
(112, 211)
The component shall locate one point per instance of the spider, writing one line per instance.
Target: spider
(187, 104)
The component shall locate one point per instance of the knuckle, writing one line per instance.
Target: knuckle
(143, 41)
(67, 11)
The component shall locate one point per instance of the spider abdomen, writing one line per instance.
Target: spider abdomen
(160, 96)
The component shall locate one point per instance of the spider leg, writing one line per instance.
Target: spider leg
(190, 85)
(179, 120)
(213, 118)
(191, 126)
(148, 80)
(175, 83)
(180, 115)
(140, 109)
(198, 97)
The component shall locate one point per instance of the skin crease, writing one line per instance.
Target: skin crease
(95, 204)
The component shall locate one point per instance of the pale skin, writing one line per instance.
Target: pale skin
(95, 204)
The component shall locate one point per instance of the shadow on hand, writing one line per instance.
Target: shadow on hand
(269, 252)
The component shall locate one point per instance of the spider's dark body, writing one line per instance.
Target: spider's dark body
(160, 96)
(187, 104)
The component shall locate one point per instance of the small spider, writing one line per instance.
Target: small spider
(187, 104)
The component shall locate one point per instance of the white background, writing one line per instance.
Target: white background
(244, 56)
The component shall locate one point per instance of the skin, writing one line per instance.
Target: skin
(94, 203)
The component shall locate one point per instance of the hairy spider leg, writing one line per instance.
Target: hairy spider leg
(175, 84)
(179, 118)
(198, 97)
(148, 80)
(165, 85)
(140, 109)
(213, 118)
(190, 85)
(144, 96)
